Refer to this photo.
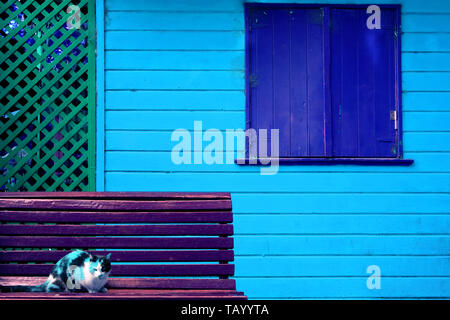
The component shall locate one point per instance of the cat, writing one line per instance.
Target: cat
(77, 271)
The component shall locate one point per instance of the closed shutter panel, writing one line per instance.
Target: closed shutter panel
(363, 84)
(286, 78)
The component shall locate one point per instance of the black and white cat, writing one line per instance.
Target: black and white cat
(77, 271)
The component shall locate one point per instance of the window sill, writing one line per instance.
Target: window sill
(327, 161)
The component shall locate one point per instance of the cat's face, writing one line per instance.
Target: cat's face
(106, 263)
(100, 266)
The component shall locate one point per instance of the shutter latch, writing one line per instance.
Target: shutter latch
(394, 118)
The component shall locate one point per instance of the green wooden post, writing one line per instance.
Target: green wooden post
(92, 96)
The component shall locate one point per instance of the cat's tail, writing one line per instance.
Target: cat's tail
(39, 288)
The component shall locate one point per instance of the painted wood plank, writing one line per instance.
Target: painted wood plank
(342, 266)
(192, 284)
(128, 270)
(426, 141)
(125, 140)
(117, 230)
(120, 296)
(162, 162)
(160, 120)
(426, 61)
(174, 60)
(107, 205)
(121, 256)
(140, 141)
(342, 245)
(115, 242)
(139, 283)
(425, 42)
(130, 141)
(377, 224)
(311, 182)
(163, 120)
(146, 293)
(180, 80)
(426, 81)
(260, 73)
(174, 20)
(341, 203)
(426, 101)
(180, 5)
(143, 292)
(175, 100)
(426, 121)
(344, 98)
(424, 287)
(316, 105)
(300, 104)
(118, 217)
(422, 22)
(174, 40)
(408, 6)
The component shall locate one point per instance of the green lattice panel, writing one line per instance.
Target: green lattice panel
(47, 95)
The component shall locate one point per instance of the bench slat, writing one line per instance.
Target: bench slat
(115, 243)
(108, 230)
(173, 292)
(129, 270)
(115, 217)
(106, 296)
(121, 256)
(137, 283)
(146, 292)
(102, 205)
(116, 195)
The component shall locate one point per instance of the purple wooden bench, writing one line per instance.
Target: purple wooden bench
(183, 249)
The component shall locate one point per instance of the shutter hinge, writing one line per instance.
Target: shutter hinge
(395, 119)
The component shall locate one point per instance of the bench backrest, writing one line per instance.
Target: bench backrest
(161, 240)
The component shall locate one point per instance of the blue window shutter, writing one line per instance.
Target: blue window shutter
(286, 78)
(261, 71)
(363, 84)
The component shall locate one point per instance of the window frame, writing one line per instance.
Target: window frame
(398, 160)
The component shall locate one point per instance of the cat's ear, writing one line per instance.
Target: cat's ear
(108, 256)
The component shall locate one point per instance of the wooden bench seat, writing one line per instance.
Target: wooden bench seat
(163, 245)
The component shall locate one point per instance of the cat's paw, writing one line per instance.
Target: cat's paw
(103, 290)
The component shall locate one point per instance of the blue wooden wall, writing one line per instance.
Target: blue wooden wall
(309, 231)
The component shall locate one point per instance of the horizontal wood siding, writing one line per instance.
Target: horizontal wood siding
(308, 231)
